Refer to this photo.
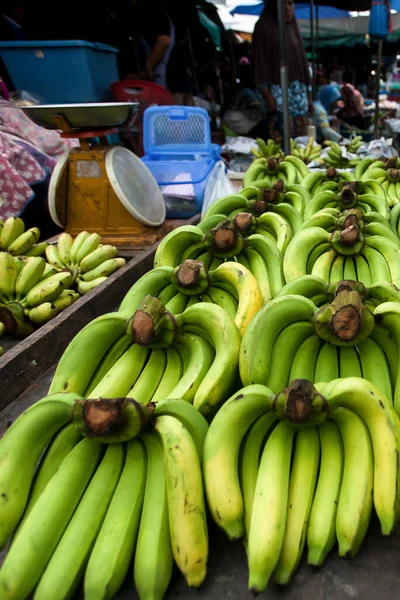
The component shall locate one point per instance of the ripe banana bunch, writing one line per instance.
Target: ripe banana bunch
(93, 507)
(307, 154)
(315, 460)
(387, 174)
(367, 196)
(319, 181)
(230, 286)
(18, 242)
(266, 171)
(336, 158)
(31, 292)
(268, 149)
(90, 261)
(355, 144)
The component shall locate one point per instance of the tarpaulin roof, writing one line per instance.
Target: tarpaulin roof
(302, 11)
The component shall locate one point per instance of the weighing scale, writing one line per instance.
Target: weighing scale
(97, 186)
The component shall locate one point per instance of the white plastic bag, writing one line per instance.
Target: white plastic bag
(218, 185)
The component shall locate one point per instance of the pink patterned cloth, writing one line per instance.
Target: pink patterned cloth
(27, 154)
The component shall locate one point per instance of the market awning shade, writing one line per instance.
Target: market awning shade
(302, 11)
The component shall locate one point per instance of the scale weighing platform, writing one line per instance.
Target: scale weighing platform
(97, 186)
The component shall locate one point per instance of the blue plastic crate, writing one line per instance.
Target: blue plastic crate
(62, 72)
(180, 155)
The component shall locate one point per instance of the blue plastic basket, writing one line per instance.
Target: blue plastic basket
(180, 155)
(62, 72)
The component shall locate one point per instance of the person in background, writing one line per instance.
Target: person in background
(326, 104)
(353, 110)
(267, 69)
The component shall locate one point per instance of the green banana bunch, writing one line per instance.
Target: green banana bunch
(18, 242)
(266, 171)
(307, 154)
(314, 459)
(319, 181)
(335, 157)
(269, 149)
(90, 261)
(355, 144)
(387, 174)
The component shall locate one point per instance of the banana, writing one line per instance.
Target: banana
(31, 274)
(194, 422)
(388, 344)
(149, 379)
(166, 294)
(321, 531)
(304, 361)
(375, 410)
(221, 298)
(349, 270)
(105, 269)
(248, 292)
(320, 201)
(289, 213)
(273, 259)
(24, 242)
(259, 337)
(307, 285)
(58, 449)
(97, 257)
(42, 530)
(153, 562)
(90, 244)
(48, 289)
(188, 528)
(76, 244)
(221, 454)
(362, 166)
(299, 249)
(287, 344)
(394, 218)
(249, 460)
(12, 228)
(210, 222)
(391, 253)
(299, 166)
(38, 249)
(349, 362)
(63, 572)
(122, 376)
(108, 361)
(279, 227)
(323, 265)
(258, 267)
(271, 497)
(20, 450)
(84, 287)
(327, 367)
(171, 247)
(363, 270)
(53, 257)
(171, 376)
(64, 244)
(198, 355)
(226, 205)
(48, 310)
(8, 276)
(321, 219)
(77, 366)
(355, 499)
(177, 304)
(378, 266)
(113, 550)
(302, 484)
(215, 325)
(383, 292)
(151, 283)
(375, 366)
(313, 180)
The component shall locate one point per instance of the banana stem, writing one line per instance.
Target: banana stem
(271, 196)
(13, 318)
(348, 241)
(300, 404)
(224, 241)
(348, 194)
(331, 173)
(352, 217)
(191, 277)
(149, 321)
(346, 285)
(393, 175)
(346, 320)
(245, 222)
(258, 207)
(111, 420)
(279, 186)
(272, 165)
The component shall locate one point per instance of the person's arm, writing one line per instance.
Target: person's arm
(162, 44)
(270, 102)
(320, 118)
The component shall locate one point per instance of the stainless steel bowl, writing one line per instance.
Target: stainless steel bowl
(82, 116)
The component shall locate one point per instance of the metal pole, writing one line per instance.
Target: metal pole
(377, 90)
(312, 47)
(316, 47)
(284, 75)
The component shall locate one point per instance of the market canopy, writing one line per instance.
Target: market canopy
(302, 11)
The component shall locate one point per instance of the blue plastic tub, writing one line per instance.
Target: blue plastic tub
(62, 72)
(180, 155)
